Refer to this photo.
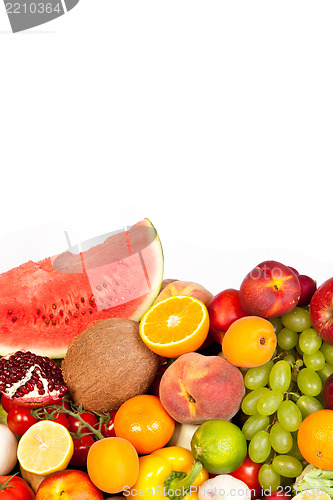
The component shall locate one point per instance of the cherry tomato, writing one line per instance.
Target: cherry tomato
(19, 419)
(81, 448)
(16, 489)
(75, 424)
(60, 418)
(248, 473)
(7, 403)
(107, 429)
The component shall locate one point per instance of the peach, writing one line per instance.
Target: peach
(185, 288)
(196, 388)
(271, 289)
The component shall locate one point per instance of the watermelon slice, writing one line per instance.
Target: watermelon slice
(44, 305)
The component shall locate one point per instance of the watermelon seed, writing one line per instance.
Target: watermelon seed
(54, 306)
(66, 321)
(54, 322)
(61, 312)
(38, 311)
(14, 319)
(43, 317)
(10, 312)
(47, 321)
(69, 313)
(90, 310)
(75, 315)
(82, 299)
(51, 316)
(77, 306)
(83, 312)
(99, 288)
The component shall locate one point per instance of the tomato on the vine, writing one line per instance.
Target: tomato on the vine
(107, 428)
(15, 488)
(81, 448)
(7, 403)
(75, 424)
(248, 473)
(19, 419)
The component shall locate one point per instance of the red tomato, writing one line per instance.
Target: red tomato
(19, 420)
(60, 418)
(81, 448)
(248, 473)
(7, 403)
(108, 429)
(74, 423)
(15, 489)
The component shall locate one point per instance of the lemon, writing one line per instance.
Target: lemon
(219, 445)
(45, 447)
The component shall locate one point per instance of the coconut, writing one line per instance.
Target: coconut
(108, 363)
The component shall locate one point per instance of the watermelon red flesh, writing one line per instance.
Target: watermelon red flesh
(45, 305)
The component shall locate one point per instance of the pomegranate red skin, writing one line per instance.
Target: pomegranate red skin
(223, 310)
(321, 311)
(308, 288)
(271, 289)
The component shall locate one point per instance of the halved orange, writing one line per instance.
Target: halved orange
(175, 326)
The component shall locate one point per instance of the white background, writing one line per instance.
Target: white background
(214, 119)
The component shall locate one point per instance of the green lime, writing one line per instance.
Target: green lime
(219, 445)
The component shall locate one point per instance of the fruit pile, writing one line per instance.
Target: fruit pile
(163, 389)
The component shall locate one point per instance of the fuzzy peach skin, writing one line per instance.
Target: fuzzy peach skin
(196, 388)
(185, 288)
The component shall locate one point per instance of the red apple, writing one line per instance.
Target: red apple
(327, 393)
(271, 289)
(223, 310)
(73, 484)
(308, 288)
(321, 311)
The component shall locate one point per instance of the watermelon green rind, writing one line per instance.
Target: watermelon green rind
(45, 305)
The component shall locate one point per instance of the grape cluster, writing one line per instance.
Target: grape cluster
(281, 393)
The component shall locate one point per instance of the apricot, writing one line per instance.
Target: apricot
(196, 388)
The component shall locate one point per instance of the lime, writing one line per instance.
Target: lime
(219, 445)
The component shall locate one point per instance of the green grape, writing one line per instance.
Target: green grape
(290, 358)
(309, 341)
(287, 466)
(308, 404)
(258, 376)
(287, 339)
(269, 402)
(268, 478)
(280, 376)
(281, 440)
(297, 320)
(249, 403)
(325, 372)
(315, 361)
(254, 424)
(289, 415)
(327, 350)
(277, 324)
(294, 450)
(309, 382)
(259, 447)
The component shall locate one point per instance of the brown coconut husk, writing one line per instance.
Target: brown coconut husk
(107, 364)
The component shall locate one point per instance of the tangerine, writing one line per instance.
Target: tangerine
(144, 422)
(314, 439)
(249, 342)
